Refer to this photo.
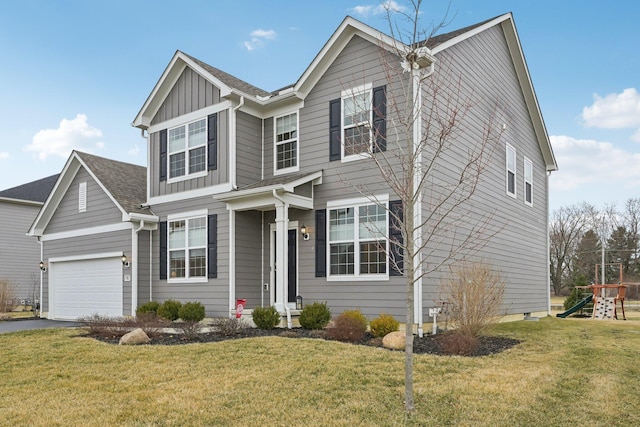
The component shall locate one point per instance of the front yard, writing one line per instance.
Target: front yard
(565, 372)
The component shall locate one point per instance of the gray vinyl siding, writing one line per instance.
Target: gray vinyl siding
(144, 265)
(248, 250)
(101, 210)
(269, 147)
(214, 293)
(115, 241)
(19, 254)
(214, 177)
(191, 92)
(248, 149)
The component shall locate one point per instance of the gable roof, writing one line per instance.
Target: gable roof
(124, 183)
(35, 191)
(349, 28)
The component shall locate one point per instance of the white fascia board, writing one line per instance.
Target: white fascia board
(89, 231)
(142, 217)
(315, 177)
(20, 201)
(186, 195)
(104, 189)
(86, 257)
(190, 117)
(471, 33)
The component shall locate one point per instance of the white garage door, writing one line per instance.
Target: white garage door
(85, 287)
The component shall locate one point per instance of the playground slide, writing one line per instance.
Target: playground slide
(576, 307)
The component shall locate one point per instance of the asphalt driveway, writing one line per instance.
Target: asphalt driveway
(23, 325)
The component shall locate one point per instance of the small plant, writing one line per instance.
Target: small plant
(149, 307)
(455, 343)
(315, 316)
(347, 327)
(6, 296)
(266, 317)
(191, 312)
(170, 309)
(357, 316)
(383, 325)
(229, 326)
(151, 323)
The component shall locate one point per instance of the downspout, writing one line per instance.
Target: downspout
(284, 248)
(39, 238)
(150, 265)
(262, 260)
(146, 138)
(548, 246)
(417, 213)
(134, 268)
(234, 144)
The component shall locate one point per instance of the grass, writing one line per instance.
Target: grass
(565, 372)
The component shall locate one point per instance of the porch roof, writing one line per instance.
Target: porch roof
(265, 194)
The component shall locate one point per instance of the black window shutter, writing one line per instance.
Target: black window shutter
(321, 243)
(212, 246)
(380, 118)
(395, 237)
(163, 250)
(163, 155)
(334, 129)
(212, 142)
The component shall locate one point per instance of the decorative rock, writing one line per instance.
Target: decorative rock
(394, 340)
(137, 336)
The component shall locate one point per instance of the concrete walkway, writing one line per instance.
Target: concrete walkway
(23, 325)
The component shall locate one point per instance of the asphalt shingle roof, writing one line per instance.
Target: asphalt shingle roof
(35, 191)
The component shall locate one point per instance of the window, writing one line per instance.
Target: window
(356, 121)
(286, 143)
(357, 240)
(528, 182)
(187, 247)
(187, 149)
(511, 171)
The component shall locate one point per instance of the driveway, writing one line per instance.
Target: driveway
(23, 325)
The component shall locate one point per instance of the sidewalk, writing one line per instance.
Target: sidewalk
(24, 325)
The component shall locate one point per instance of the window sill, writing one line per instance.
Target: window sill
(363, 278)
(355, 157)
(286, 171)
(187, 177)
(188, 280)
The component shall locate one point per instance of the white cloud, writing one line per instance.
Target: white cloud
(71, 134)
(614, 111)
(258, 37)
(382, 8)
(134, 151)
(4, 155)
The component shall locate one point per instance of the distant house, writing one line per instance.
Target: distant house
(20, 254)
(243, 196)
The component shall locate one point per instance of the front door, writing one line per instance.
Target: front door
(292, 263)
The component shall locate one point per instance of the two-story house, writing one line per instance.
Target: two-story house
(254, 195)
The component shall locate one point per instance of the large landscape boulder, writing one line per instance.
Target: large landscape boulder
(394, 340)
(137, 336)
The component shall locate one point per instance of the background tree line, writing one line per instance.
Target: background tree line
(577, 233)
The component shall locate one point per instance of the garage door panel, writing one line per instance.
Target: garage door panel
(86, 287)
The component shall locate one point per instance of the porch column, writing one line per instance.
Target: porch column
(282, 225)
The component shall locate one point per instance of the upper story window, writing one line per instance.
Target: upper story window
(286, 143)
(357, 240)
(187, 149)
(187, 245)
(511, 171)
(356, 121)
(528, 182)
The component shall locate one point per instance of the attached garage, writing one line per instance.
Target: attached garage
(86, 286)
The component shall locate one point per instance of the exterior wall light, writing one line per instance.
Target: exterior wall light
(303, 230)
(42, 266)
(125, 262)
(299, 302)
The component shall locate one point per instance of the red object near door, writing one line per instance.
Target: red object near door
(240, 303)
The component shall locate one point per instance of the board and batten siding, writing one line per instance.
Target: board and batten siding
(213, 177)
(248, 252)
(115, 241)
(19, 254)
(100, 208)
(214, 293)
(190, 93)
(248, 149)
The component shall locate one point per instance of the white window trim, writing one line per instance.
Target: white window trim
(347, 93)
(509, 147)
(291, 169)
(383, 200)
(186, 216)
(187, 175)
(527, 164)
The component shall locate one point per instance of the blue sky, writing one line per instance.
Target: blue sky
(74, 74)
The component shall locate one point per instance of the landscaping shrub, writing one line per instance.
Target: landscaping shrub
(266, 317)
(151, 323)
(191, 312)
(383, 324)
(170, 309)
(149, 307)
(347, 327)
(574, 297)
(6, 296)
(315, 316)
(474, 293)
(357, 316)
(229, 326)
(107, 326)
(456, 343)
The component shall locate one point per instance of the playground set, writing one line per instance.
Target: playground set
(605, 297)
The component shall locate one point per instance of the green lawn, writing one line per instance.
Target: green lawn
(565, 372)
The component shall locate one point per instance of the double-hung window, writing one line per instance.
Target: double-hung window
(511, 171)
(187, 149)
(358, 243)
(356, 121)
(187, 247)
(286, 143)
(528, 182)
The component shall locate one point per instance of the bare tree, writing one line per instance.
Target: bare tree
(436, 152)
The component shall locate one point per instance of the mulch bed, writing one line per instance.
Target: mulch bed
(428, 344)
